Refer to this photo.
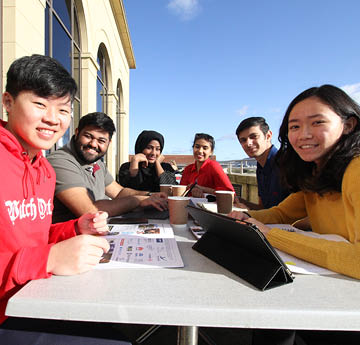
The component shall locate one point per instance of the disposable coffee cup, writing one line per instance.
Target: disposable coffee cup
(224, 201)
(177, 212)
(178, 189)
(166, 188)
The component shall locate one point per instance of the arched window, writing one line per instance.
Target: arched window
(118, 122)
(62, 41)
(101, 83)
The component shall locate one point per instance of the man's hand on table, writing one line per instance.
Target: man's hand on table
(157, 200)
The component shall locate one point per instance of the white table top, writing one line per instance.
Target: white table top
(200, 294)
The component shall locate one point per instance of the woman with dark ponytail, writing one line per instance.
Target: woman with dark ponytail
(319, 159)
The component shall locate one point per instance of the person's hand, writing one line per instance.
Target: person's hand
(93, 223)
(161, 195)
(262, 227)
(161, 158)
(239, 204)
(174, 165)
(197, 192)
(156, 201)
(140, 158)
(243, 216)
(76, 255)
(238, 215)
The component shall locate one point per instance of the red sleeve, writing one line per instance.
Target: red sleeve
(62, 231)
(18, 268)
(28, 263)
(221, 180)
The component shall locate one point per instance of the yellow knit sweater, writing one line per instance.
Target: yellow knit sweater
(332, 213)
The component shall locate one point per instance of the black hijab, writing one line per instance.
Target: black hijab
(145, 137)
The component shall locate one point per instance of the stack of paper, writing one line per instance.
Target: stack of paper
(141, 245)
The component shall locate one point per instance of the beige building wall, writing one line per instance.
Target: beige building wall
(23, 30)
(102, 23)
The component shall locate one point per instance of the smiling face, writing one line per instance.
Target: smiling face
(314, 129)
(91, 143)
(202, 150)
(254, 141)
(152, 151)
(37, 122)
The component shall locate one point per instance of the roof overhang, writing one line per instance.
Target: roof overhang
(118, 9)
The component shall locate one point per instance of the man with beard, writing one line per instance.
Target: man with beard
(83, 183)
(255, 136)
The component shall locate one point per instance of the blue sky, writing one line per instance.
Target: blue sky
(204, 65)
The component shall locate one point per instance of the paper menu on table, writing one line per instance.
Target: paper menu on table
(297, 265)
(146, 230)
(141, 246)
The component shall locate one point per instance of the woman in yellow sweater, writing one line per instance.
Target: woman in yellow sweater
(319, 159)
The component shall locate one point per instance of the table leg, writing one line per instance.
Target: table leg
(187, 335)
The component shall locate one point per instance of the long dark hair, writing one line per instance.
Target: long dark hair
(300, 175)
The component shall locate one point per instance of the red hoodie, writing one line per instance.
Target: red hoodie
(26, 204)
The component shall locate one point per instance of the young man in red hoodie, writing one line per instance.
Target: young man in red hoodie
(38, 100)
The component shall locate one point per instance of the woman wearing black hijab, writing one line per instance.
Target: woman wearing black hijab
(146, 170)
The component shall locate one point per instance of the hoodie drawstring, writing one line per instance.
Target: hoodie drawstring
(41, 169)
(45, 170)
(27, 175)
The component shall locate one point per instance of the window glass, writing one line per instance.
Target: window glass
(100, 97)
(101, 84)
(61, 45)
(47, 34)
(62, 8)
(62, 41)
(118, 124)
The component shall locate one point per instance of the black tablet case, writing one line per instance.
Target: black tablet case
(241, 248)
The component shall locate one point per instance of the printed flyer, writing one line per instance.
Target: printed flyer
(141, 245)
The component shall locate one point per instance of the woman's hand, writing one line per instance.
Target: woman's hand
(262, 227)
(238, 215)
(137, 159)
(239, 204)
(243, 216)
(161, 158)
(159, 168)
(197, 191)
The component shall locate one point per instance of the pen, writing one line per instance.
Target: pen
(186, 193)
